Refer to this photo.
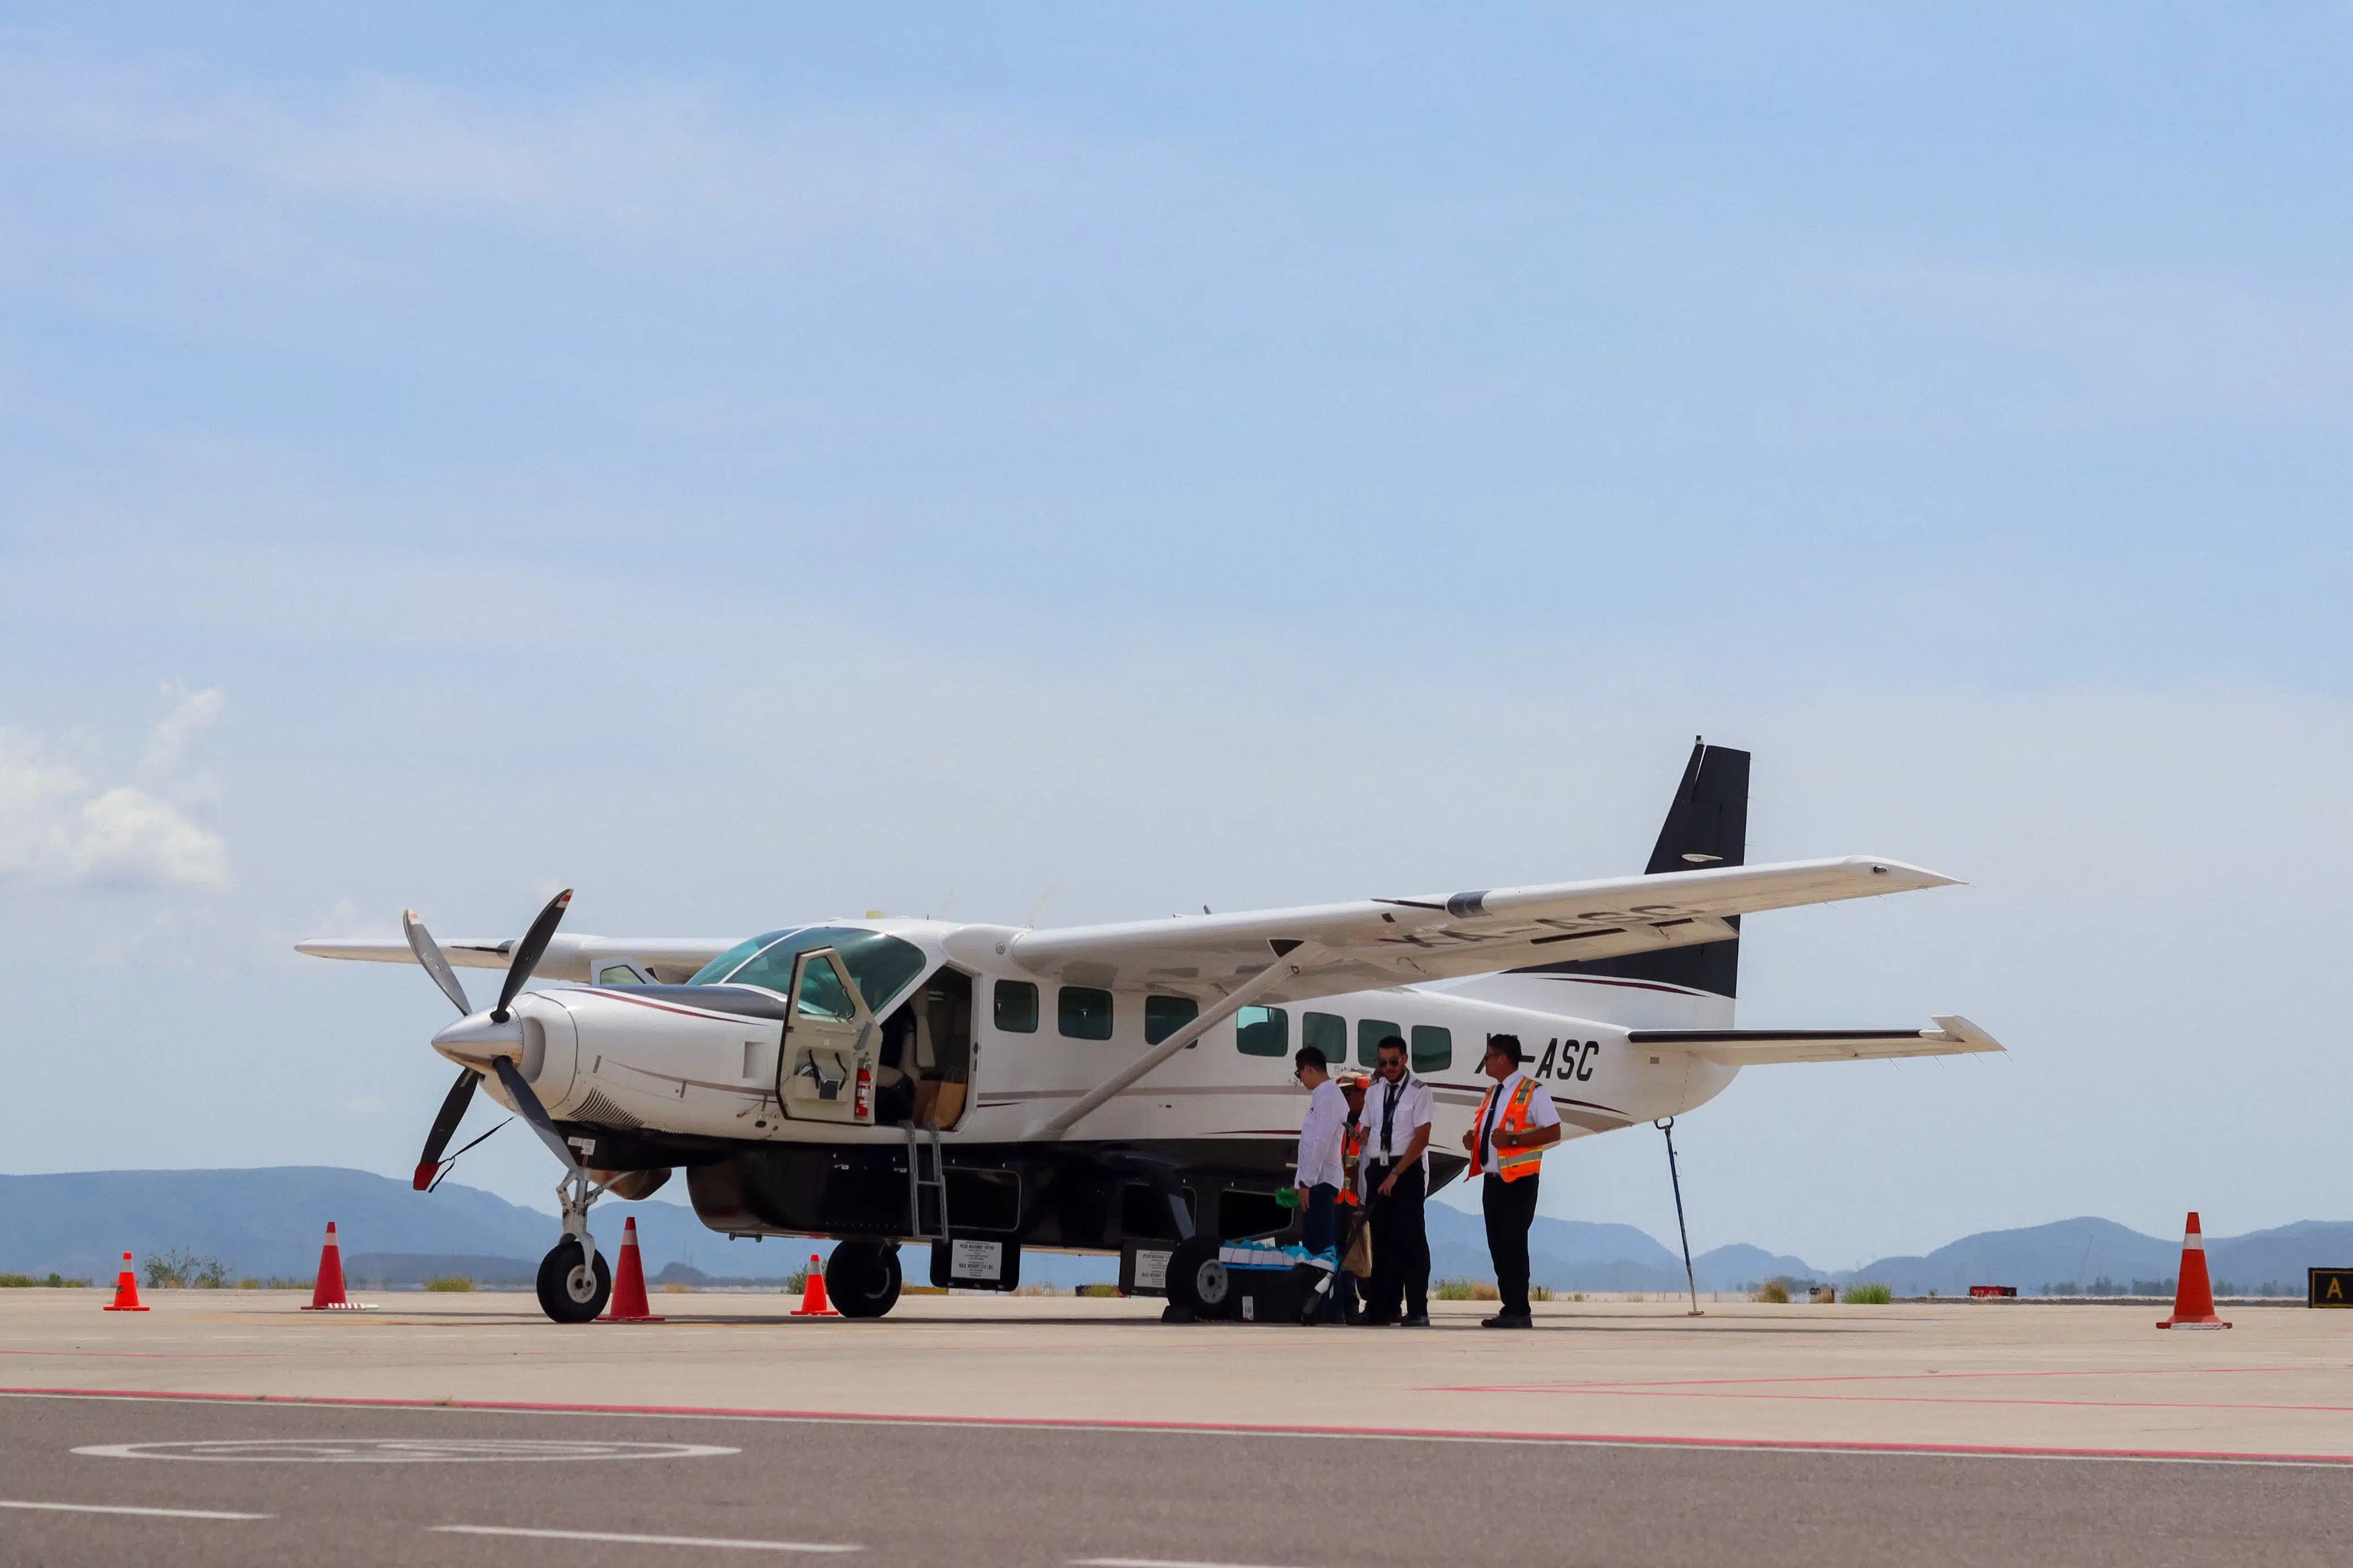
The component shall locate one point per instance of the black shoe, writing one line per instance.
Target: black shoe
(1414, 1320)
(1508, 1321)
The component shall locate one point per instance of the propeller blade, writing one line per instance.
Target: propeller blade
(428, 953)
(527, 1102)
(453, 1110)
(529, 951)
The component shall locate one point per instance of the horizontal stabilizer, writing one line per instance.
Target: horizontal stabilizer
(1755, 1047)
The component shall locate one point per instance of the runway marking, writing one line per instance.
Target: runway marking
(395, 1450)
(1153, 1562)
(646, 1540)
(141, 1512)
(1221, 1429)
(156, 1355)
(1607, 1384)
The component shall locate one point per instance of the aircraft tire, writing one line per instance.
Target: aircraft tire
(569, 1293)
(1197, 1282)
(862, 1278)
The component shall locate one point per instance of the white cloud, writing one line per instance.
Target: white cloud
(127, 836)
(58, 829)
(192, 713)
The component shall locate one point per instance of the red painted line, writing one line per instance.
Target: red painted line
(1230, 1428)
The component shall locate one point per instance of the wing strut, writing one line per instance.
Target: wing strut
(1294, 959)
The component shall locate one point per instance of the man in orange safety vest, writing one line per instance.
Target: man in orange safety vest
(1515, 1124)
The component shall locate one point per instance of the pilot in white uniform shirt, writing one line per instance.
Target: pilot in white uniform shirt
(1396, 1109)
(1320, 1137)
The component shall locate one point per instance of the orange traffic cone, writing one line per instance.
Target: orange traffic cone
(126, 1290)
(327, 1294)
(813, 1304)
(2194, 1295)
(629, 1303)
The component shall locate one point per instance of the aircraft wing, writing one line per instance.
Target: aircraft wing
(1402, 940)
(1753, 1047)
(569, 957)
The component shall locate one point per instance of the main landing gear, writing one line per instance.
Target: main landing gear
(574, 1281)
(862, 1278)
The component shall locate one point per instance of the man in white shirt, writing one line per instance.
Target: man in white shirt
(1396, 1171)
(1516, 1123)
(1321, 1171)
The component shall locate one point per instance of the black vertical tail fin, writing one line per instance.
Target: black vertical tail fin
(1706, 826)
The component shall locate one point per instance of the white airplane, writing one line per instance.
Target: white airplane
(1112, 1087)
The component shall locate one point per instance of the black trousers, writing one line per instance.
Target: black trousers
(1400, 1246)
(1510, 1207)
(1319, 1228)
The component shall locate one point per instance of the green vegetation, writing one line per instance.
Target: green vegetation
(457, 1283)
(180, 1269)
(1772, 1293)
(1462, 1290)
(1098, 1290)
(27, 1282)
(275, 1283)
(1872, 1295)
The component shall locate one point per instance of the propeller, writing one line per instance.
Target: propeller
(428, 953)
(526, 957)
(453, 1110)
(529, 951)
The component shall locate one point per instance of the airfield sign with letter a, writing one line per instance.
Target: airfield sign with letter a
(2329, 1287)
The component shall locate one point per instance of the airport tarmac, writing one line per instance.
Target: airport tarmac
(1058, 1430)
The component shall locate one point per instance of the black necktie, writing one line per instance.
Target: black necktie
(1487, 1126)
(1388, 1119)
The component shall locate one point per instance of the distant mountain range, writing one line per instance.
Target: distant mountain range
(269, 1223)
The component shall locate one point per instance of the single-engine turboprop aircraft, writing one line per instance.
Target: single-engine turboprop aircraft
(1107, 1088)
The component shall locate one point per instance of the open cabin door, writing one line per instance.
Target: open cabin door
(825, 1070)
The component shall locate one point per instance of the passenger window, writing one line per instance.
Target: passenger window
(1434, 1048)
(1016, 1007)
(1083, 1013)
(1328, 1033)
(821, 994)
(1164, 1015)
(1263, 1032)
(1370, 1033)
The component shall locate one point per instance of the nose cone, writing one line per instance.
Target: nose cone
(476, 1041)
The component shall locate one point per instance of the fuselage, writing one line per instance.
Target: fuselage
(702, 1076)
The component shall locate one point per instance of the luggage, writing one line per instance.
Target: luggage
(1271, 1284)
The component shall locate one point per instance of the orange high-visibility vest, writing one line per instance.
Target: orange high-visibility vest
(1352, 1151)
(1510, 1164)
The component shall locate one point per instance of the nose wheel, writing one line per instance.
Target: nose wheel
(574, 1287)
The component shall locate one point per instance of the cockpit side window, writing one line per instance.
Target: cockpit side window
(821, 994)
(727, 962)
(882, 966)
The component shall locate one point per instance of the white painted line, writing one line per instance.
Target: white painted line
(645, 1540)
(1153, 1562)
(143, 1512)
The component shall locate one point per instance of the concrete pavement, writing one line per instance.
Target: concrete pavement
(1962, 1376)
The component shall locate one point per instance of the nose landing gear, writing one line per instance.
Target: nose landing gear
(574, 1288)
(574, 1281)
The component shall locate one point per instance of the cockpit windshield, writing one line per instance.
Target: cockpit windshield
(882, 966)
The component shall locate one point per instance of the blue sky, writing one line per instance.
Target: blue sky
(758, 465)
